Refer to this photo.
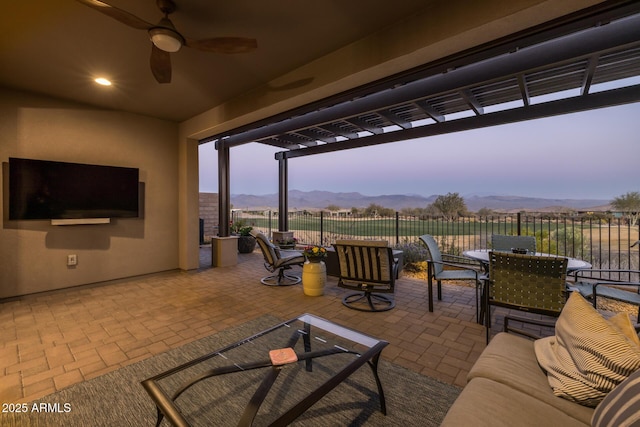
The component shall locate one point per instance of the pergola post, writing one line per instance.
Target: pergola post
(224, 248)
(224, 198)
(283, 194)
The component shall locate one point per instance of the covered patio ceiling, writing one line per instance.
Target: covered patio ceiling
(588, 63)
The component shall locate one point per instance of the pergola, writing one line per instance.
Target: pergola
(558, 69)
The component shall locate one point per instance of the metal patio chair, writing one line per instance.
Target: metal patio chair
(280, 260)
(535, 284)
(368, 267)
(460, 268)
(618, 285)
(501, 242)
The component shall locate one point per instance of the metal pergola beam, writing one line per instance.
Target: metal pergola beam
(609, 98)
(582, 44)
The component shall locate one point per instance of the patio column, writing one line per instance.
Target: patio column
(224, 199)
(224, 248)
(283, 194)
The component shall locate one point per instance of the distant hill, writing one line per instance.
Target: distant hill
(322, 199)
(517, 203)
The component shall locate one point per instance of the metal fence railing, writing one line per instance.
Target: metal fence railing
(602, 239)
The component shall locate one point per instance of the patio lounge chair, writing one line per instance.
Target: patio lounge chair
(367, 266)
(461, 269)
(277, 259)
(535, 284)
(501, 242)
(618, 285)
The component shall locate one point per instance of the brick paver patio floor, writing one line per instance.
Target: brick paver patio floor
(55, 339)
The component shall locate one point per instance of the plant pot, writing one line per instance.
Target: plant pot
(314, 277)
(246, 244)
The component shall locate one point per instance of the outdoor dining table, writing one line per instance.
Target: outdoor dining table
(482, 255)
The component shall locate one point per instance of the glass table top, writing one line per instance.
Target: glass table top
(241, 382)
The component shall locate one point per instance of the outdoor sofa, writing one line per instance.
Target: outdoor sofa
(508, 387)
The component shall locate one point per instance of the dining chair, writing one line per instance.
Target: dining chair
(529, 283)
(280, 260)
(501, 242)
(457, 268)
(615, 284)
(369, 268)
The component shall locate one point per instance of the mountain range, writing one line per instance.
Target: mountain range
(321, 199)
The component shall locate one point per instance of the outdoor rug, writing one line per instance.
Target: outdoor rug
(118, 398)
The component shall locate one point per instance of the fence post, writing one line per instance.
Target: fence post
(321, 228)
(519, 223)
(269, 223)
(397, 228)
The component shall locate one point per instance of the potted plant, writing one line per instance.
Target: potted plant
(246, 242)
(315, 253)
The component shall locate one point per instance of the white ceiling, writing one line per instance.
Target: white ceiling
(57, 47)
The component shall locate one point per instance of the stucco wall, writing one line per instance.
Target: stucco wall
(33, 254)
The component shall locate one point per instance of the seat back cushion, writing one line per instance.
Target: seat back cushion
(588, 356)
(268, 249)
(621, 407)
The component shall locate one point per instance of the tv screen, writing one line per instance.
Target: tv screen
(41, 189)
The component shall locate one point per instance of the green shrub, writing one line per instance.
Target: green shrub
(414, 253)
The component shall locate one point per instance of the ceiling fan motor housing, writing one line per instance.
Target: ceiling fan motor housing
(166, 6)
(165, 36)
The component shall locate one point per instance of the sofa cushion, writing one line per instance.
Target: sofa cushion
(588, 356)
(484, 403)
(622, 321)
(510, 359)
(621, 407)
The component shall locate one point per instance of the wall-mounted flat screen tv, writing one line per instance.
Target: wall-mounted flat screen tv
(42, 189)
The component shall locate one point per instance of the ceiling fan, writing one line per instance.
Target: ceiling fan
(166, 39)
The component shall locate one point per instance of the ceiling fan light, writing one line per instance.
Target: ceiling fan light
(166, 39)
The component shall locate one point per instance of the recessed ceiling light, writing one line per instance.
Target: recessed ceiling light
(102, 81)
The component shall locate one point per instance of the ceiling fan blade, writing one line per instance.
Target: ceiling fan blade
(117, 14)
(224, 44)
(160, 64)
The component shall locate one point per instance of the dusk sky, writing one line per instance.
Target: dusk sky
(589, 155)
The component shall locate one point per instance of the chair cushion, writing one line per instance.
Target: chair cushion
(457, 275)
(621, 407)
(289, 258)
(588, 356)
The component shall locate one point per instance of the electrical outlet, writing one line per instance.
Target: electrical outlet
(72, 260)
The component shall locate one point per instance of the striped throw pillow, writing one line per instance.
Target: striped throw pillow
(588, 356)
(621, 407)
